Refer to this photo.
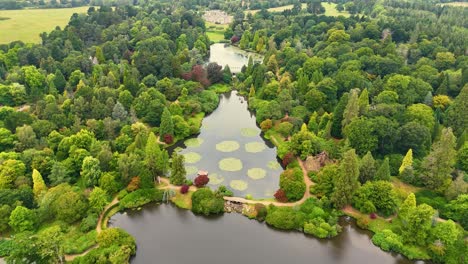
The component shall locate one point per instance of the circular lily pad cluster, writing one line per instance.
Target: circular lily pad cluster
(274, 165)
(256, 173)
(215, 179)
(227, 146)
(191, 170)
(230, 164)
(238, 185)
(249, 132)
(192, 157)
(255, 147)
(193, 142)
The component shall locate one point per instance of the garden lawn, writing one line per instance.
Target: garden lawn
(330, 9)
(27, 24)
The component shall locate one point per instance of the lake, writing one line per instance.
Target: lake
(230, 55)
(169, 235)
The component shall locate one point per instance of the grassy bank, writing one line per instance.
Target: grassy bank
(330, 9)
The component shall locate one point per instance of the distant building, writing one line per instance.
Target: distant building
(217, 17)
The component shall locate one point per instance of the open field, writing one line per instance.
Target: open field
(27, 24)
(463, 4)
(330, 9)
(215, 31)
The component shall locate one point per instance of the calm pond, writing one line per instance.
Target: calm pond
(168, 235)
(229, 55)
(231, 149)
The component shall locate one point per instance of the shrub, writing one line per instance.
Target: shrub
(141, 197)
(201, 180)
(184, 189)
(373, 216)
(363, 222)
(89, 223)
(116, 236)
(431, 198)
(204, 201)
(288, 158)
(292, 183)
(223, 191)
(387, 240)
(261, 212)
(266, 125)
(376, 196)
(285, 218)
(168, 139)
(312, 176)
(280, 196)
(134, 184)
(321, 229)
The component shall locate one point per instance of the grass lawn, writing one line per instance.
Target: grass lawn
(220, 88)
(215, 31)
(183, 201)
(330, 9)
(27, 24)
(463, 4)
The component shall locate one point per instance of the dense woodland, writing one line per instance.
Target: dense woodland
(85, 116)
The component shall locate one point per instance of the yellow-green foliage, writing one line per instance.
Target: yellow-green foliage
(27, 24)
(407, 161)
(39, 186)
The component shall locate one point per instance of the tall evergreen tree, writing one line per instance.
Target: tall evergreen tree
(167, 126)
(152, 153)
(346, 181)
(437, 166)
(408, 205)
(336, 130)
(363, 102)
(59, 81)
(352, 108)
(39, 186)
(407, 161)
(457, 118)
(367, 168)
(383, 173)
(178, 173)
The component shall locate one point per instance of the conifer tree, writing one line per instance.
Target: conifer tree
(152, 153)
(39, 185)
(338, 116)
(383, 173)
(167, 126)
(352, 109)
(407, 161)
(437, 166)
(346, 181)
(367, 168)
(408, 205)
(363, 102)
(178, 173)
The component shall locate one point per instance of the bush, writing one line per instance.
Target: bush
(387, 240)
(5, 247)
(321, 229)
(89, 223)
(77, 242)
(280, 196)
(285, 218)
(168, 139)
(134, 184)
(223, 191)
(261, 212)
(376, 196)
(288, 158)
(204, 201)
(292, 183)
(363, 222)
(141, 197)
(184, 189)
(266, 125)
(201, 180)
(116, 236)
(312, 176)
(431, 198)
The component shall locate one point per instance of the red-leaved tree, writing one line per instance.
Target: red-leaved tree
(134, 184)
(201, 181)
(280, 196)
(234, 39)
(184, 189)
(288, 158)
(168, 139)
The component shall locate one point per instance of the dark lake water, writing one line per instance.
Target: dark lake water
(231, 137)
(169, 235)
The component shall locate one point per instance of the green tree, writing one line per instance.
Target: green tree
(100, 55)
(178, 173)
(90, 171)
(7, 139)
(383, 173)
(39, 186)
(22, 219)
(338, 116)
(418, 224)
(346, 181)
(367, 168)
(361, 135)
(407, 207)
(10, 170)
(352, 108)
(456, 113)
(167, 126)
(363, 102)
(421, 114)
(438, 165)
(97, 200)
(407, 161)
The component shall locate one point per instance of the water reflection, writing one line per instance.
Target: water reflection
(229, 55)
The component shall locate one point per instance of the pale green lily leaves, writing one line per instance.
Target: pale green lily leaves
(230, 164)
(256, 173)
(192, 157)
(238, 185)
(227, 146)
(255, 147)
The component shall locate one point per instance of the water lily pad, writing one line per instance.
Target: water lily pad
(178, 149)
(230, 164)
(191, 170)
(194, 142)
(255, 147)
(256, 173)
(192, 157)
(249, 132)
(227, 146)
(215, 179)
(238, 185)
(274, 165)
